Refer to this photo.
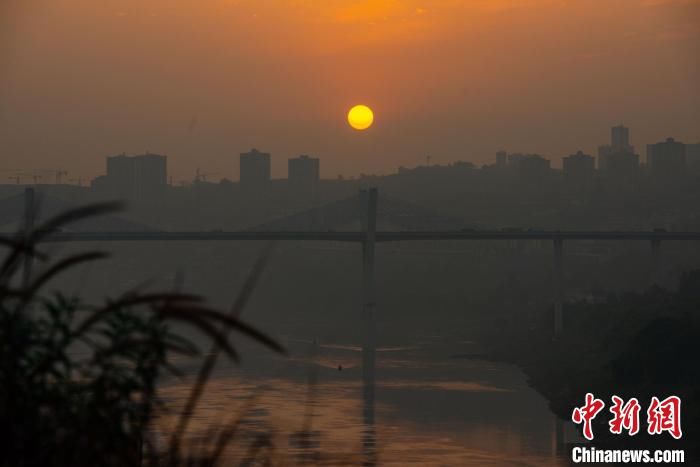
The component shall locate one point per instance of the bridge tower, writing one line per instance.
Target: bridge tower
(368, 220)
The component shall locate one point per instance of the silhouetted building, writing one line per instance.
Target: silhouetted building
(304, 172)
(533, 166)
(692, 156)
(579, 166)
(619, 143)
(621, 165)
(529, 166)
(151, 172)
(620, 138)
(501, 159)
(254, 168)
(666, 159)
(121, 173)
(134, 177)
(514, 159)
(603, 153)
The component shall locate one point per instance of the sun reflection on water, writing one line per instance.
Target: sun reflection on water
(492, 419)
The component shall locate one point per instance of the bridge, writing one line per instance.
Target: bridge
(359, 236)
(343, 212)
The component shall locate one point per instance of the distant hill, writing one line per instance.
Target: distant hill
(12, 215)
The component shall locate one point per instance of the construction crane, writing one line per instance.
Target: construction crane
(16, 174)
(201, 177)
(59, 175)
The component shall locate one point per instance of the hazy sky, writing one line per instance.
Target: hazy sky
(202, 80)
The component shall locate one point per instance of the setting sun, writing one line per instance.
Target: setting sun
(360, 117)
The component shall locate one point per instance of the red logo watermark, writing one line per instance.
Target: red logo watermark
(662, 416)
(625, 416)
(665, 416)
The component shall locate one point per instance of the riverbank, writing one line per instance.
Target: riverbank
(632, 345)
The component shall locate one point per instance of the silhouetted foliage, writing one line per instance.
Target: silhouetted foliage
(78, 383)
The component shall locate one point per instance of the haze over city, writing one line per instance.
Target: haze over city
(455, 80)
(388, 233)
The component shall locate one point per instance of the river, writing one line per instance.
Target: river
(430, 404)
(429, 408)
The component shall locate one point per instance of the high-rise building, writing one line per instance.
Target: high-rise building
(619, 144)
(515, 158)
(533, 167)
(136, 177)
(579, 166)
(666, 159)
(620, 138)
(692, 156)
(603, 153)
(304, 172)
(121, 176)
(621, 165)
(254, 168)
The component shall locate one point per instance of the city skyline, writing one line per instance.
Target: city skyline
(193, 86)
(620, 139)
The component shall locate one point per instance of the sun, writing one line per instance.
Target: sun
(360, 117)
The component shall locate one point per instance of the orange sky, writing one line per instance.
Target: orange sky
(202, 80)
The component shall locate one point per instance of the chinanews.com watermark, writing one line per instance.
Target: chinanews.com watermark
(583, 455)
(663, 418)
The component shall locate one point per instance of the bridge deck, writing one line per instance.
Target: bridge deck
(356, 236)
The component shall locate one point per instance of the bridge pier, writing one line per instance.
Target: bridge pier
(655, 261)
(29, 218)
(368, 219)
(558, 438)
(558, 287)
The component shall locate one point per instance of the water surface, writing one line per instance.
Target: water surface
(430, 408)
